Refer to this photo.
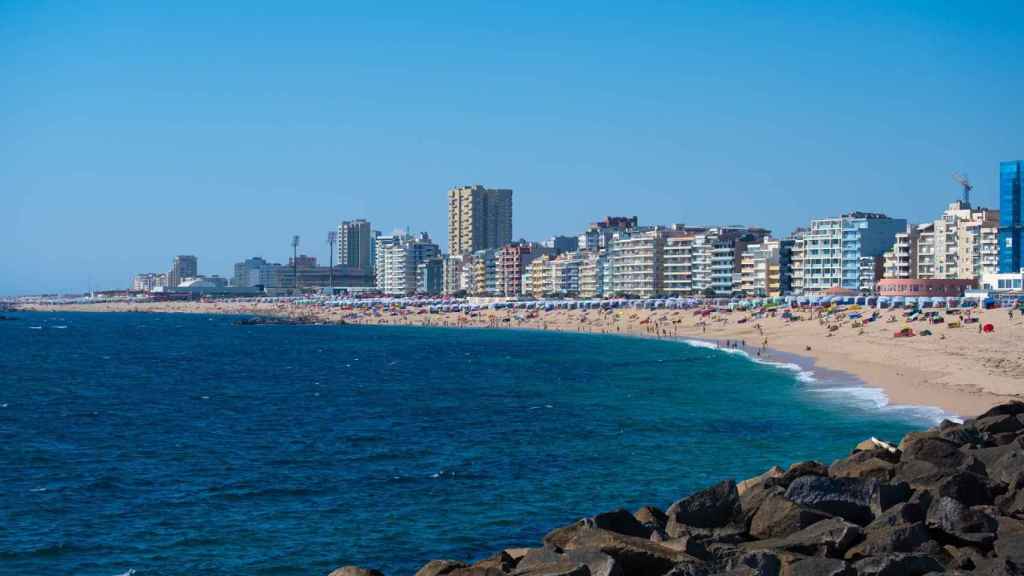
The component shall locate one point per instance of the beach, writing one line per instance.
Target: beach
(958, 369)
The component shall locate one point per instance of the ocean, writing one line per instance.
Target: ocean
(152, 444)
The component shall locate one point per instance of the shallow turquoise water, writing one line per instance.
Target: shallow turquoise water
(176, 444)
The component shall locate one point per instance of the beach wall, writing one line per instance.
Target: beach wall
(946, 500)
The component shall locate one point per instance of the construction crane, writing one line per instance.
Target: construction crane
(966, 184)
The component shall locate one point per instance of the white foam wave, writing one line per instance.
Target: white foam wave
(863, 396)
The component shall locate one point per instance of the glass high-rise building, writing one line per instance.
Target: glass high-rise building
(1011, 216)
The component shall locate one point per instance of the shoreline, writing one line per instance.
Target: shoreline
(956, 372)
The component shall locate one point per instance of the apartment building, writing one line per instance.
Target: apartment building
(398, 258)
(830, 252)
(478, 219)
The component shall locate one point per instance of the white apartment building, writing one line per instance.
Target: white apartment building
(397, 260)
(635, 259)
(592, 272)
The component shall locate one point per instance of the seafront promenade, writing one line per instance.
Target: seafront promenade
(957, 366)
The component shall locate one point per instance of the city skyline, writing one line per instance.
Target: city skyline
(131, 149)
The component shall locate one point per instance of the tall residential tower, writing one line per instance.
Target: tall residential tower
(478, 219)
(355, 245)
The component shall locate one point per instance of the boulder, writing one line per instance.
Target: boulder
(1011, 408)
(773, 472)
(619, 521)
(635, 556)
(808, 468)
(989, 455)
(1009, 548)
(831, 537)
(712, 507)
(899, 529)
(355, 571)
(897, 565)
(1011, 503)
(439, 567)
(872, 444)
(817, 566)
(688, 569)
(501, 562)
(857, 500)
(752, 499)
(963, 525)
(546, 561)
(757, 562)
(651, 517)
(778, 516)
(998, 424)
(913, 436)
(962, 435)
(942, 453)
(864, 464)
(622, 522)
(559, 537)
(1008, 469)
(969, 487)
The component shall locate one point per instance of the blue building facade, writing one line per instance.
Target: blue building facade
(1011, 217)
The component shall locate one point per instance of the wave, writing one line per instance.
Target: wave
(864, 396)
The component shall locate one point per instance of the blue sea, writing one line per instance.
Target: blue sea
(153, 444)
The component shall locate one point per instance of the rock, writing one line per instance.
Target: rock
(1009, 548)
(970, 488)
(998, 424)
(559, 537)
(688, 569)
(897, 565)
(754, 497)
(872, 444)
(778, 516)
(899, 529)
(635, 556)
(817, 566)
(651, 517)
(439, 567)
(962, 436)
(865, 464)
(355, 571)
(690, 544)
(1012, 503)
(759, 562)
(516, 553)
(1008, 469)
(773, 472)
(885, 539)
(1011, 408)
(712, 507)
(501, 562)
(942, 453)
(962, 558)
(913, 436)
(548, 562)
(855, 499)
(622, 522)
(808, 468)
(831, 537)
(972, 526)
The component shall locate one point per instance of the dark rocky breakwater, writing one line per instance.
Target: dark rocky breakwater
(946, 500)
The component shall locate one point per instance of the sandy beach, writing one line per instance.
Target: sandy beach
(957, 369)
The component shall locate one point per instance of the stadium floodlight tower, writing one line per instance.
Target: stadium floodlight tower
(295, 263)
(332, 237)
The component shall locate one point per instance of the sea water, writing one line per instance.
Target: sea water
(184, 445)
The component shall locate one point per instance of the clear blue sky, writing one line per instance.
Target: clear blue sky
(130, 132)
